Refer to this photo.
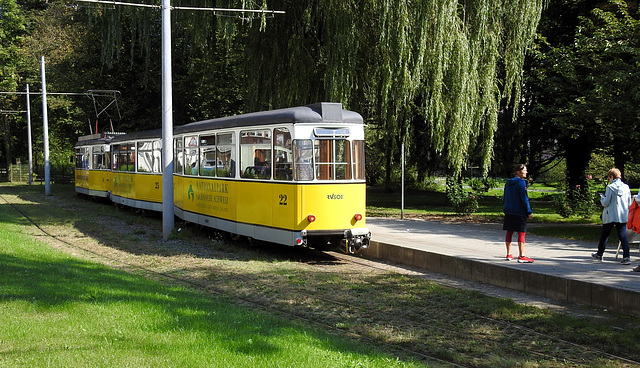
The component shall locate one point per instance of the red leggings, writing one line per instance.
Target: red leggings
(507, 237)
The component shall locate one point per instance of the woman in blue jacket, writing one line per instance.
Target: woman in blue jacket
(516, 211)
(616, 201)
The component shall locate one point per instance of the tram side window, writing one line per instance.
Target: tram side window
(157, 156)
(358, 160)
(178, 156)
(226, 155)
(208, 155)
(255, 154)
(131, 148)
(114, 153)
(332, 159)
(145, 156)
(283, 157)
(124, 157)
(191, 155)
(98, 158)
(106, 159)
(303, 168)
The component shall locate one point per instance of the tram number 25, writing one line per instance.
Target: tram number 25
(283, 200)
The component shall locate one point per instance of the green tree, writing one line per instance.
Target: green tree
(611, 38)
(583, 83)
(12, 29)
(429, 73)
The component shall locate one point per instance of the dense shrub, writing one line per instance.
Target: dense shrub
(576, 201)
(463, 202)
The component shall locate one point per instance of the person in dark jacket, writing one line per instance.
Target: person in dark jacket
(516, 211)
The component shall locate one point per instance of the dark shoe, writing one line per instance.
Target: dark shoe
(637, 269)
(596, 257)
(626, 261)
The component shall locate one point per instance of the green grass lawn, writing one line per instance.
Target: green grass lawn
(60, 311)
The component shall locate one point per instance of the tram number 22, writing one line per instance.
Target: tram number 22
(283, 200)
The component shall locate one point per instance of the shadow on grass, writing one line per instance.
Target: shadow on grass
(54, 284)
(87, 294)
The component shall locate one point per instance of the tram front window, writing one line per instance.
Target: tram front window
(332, 159)
(81, 158)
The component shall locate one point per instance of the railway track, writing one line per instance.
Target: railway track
(386, 306)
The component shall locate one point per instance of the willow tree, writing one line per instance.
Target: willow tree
(432, 73)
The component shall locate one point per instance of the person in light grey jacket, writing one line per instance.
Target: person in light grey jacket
(616, 201)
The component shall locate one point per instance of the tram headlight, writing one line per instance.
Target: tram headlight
(311, 218)
(357, 216)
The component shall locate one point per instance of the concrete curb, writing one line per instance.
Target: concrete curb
(617, 300)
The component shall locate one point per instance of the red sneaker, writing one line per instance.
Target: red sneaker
(524, 259)
(509, 257)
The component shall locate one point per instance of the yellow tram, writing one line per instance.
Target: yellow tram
(92, 165)
(291, 176)
(137, 170)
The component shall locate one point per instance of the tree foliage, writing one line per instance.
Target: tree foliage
(583, 82)
(12, 29)
(433, 74)
(428, 73)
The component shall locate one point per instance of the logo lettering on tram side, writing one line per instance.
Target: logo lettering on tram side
(335, 196)
(124, 184)
(191, 193)
(210, 195)
(83, 177)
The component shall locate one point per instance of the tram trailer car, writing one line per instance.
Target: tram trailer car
(93, 175)
(291, 176)
(137, 170)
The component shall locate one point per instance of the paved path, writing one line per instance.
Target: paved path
(483, 246)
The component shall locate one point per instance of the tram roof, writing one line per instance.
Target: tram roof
(146, 134)
(95, 139)
(322, 112)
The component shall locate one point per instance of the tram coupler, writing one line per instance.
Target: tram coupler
(355, 240)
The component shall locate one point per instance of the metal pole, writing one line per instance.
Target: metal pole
(30, 155)
(402, 183)
(167, 124)
(45, 131)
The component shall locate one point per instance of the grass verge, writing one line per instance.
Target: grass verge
(57, 310)
(403, 319)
